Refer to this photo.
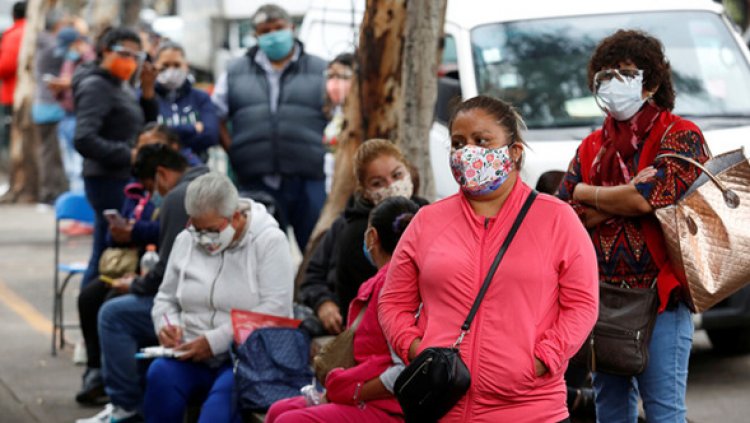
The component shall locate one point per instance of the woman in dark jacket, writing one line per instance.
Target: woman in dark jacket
(338, 266)
(186, 110)
(108, 119)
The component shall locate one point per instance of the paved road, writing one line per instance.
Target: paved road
(35, 387)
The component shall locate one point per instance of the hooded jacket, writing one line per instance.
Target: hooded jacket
(338, 266)
(542, 301)
(200, 290)
(371, 352)
(181, 109)
(108, 119)
(172, 220)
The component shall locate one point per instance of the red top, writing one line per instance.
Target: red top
(10, 46)
(371, 350)
(631, 250)
(543, 301)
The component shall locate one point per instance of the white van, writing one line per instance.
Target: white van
(534, 54)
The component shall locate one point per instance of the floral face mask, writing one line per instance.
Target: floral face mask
(400, 188)
(479, 170)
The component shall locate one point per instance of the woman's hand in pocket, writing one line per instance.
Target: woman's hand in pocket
(540, 369)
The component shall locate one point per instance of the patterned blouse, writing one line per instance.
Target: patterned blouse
(619, 242)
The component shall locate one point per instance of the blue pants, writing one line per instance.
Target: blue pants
(125, 326)
(72, 160)
(102, 193)
(172, 383)
(664, 383)
(299, 202)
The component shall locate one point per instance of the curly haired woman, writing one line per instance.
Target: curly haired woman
(614, 183)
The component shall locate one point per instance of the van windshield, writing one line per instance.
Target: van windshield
(540, 65)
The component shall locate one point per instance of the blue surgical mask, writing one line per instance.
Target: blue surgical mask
(156, 199)
(72, 55)
(366, 252)
(277, 44)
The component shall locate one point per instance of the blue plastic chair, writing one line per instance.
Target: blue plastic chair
(68, 206)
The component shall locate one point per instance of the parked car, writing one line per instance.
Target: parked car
(534, 54)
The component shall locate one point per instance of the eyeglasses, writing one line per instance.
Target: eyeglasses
(622, 75)
(211, 234)
(124, 52)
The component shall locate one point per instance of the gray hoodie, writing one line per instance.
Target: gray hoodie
(199, 290)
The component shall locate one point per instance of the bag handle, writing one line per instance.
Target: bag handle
(498, 258)
(731, 199)
(360, 316)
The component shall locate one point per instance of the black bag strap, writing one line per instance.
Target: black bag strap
(498, 258)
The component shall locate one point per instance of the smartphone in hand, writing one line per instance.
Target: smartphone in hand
(114, 218)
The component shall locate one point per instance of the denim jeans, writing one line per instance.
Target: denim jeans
(662, 385)
(125, 325)
(299, 202)
(172, 383)
(102, 193)
(72, 160)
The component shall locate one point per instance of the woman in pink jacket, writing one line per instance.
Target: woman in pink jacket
(543, 299)
(363, 393)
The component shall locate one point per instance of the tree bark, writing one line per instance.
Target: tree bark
(372, 107)
(102, 14)
(23, 137)
(422, 54)
(130, 12)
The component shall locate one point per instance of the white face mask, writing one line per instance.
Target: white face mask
(400, 188)
(621, 97)
(213, 243)
(172, 78)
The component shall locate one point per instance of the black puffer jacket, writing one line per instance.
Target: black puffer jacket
(338, 266)
(109, 117)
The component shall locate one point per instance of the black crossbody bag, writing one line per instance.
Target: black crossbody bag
(437, 378)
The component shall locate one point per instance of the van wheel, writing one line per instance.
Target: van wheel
(730, 341)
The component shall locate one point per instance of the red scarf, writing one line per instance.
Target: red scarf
(621, 140)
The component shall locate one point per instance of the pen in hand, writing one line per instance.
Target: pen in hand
(172, 333)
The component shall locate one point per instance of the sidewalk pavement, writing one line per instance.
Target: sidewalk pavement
(34, 386)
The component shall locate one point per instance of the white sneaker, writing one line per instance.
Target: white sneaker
(110, 414)
(79, 353)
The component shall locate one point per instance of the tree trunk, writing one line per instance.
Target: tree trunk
(372, 107)
(102, 14)
(23, 137)
(374, 103)
(424, 28)
(130, 12)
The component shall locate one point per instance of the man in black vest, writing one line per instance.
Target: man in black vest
(273, 97)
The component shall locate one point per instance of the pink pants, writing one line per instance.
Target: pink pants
(294, 410)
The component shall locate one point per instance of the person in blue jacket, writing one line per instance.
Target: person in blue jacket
(186, 110)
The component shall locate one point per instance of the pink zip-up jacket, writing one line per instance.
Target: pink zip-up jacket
(543, 301)
(371, 351)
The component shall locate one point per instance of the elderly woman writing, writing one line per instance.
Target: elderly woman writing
(233, 255)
